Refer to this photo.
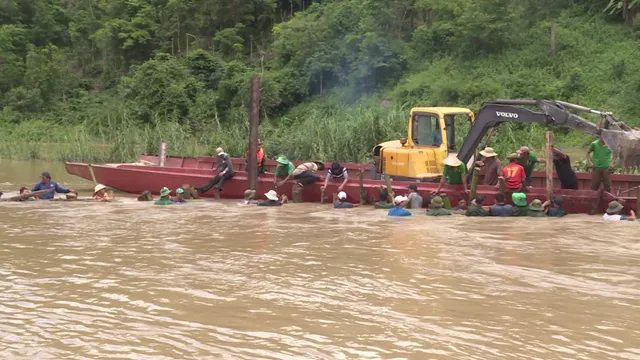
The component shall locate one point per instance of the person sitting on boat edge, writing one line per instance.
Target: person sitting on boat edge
(438, 208)
(520, 201)
(501, 208)
(283, 170)
(224, 169)
(398, 209)
(272, 199)
(454, 173)
(165, 197)
(536, 209)
(554, 207)
(613, 213)
(476, 209)
(337, 172)
(100, 193)
(260, 157)
(415, 200)
(461, 207)
(47, 183)
(528, 162)
(514, 174)
(384, 199)
(305, 174)
(179, 198)
(342, 203)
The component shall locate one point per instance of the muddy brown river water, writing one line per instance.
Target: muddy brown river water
(207, 280)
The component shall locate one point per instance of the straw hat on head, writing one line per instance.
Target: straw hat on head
(98, 188)
(219, 151)
(614, 207)
(272, 195)
(488, 152)
(452, 160)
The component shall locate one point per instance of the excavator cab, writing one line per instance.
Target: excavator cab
(434, 133)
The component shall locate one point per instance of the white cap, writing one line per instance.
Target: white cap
(272, 195)
(399, 199)
(98, 188)
(342, 195)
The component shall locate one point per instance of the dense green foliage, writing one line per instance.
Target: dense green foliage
(337, 76)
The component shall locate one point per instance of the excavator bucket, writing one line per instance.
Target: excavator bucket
(625, 145)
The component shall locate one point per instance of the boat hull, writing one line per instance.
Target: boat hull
(136, 179)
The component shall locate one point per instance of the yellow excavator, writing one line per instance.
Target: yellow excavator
(434, 133)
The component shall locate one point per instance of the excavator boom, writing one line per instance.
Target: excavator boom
(623, 141)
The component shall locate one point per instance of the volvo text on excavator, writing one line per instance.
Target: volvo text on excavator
(433, 132)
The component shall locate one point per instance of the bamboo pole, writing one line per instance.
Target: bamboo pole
(254, 123)
(322, 195)
(549, 165)
(163, 154)
(93, 176)
(638, 201)
(474, 183)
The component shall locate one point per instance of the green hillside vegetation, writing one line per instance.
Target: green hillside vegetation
(101, 80)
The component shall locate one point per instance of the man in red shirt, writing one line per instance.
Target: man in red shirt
(260, 156)
(514, 173)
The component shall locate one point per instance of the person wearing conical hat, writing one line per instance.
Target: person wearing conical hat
(454, 173)
(284, 169)
(613, 213)
(492, 166)
(438, 208)
(514, 174)
(100, 193)
(224, 172)
(165, 197)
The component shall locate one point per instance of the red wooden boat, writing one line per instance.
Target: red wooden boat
(147, 175)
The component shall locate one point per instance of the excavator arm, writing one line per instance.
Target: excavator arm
(621, 139)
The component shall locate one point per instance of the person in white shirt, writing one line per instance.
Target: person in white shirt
(613, 213)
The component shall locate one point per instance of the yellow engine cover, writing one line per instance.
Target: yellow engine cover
(412, 162)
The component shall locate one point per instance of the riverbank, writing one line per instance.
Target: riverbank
(328, 133)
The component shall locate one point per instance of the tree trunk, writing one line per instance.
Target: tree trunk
(553, 36)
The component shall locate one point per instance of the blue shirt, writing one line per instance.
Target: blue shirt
(398, 211)
(51, 185)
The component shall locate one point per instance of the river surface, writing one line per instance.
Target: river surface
(216, 280)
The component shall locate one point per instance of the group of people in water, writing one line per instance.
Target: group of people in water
(517, 175)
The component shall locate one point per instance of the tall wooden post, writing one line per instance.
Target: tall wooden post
(474, 183)
(163, 154)
(254, 122)
(549, 165)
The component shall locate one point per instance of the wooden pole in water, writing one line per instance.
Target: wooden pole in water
(254, 122)
(387, 180)
(363, 192)
(549, 165)
(163, 153)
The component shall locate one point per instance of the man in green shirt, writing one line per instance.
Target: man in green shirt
(600, 158)
(165, 199)
(476, 209)
(536, 209)
(284, 168)
(455, 173)
(438, 208)
(528, 162)
(520, 201)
